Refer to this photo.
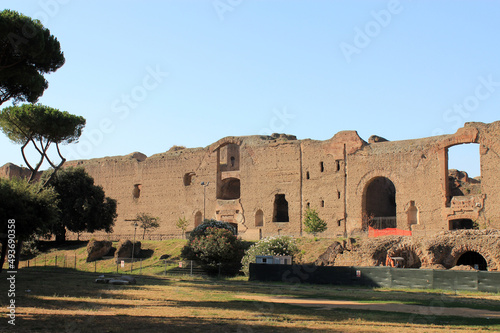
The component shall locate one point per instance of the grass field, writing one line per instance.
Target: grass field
(65, 300)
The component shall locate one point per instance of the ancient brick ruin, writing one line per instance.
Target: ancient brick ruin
(263, 184)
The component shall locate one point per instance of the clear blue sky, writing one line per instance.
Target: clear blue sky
(148, 75)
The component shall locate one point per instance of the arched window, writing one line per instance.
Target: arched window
(136, 192)
(259, 218)
(197, 219)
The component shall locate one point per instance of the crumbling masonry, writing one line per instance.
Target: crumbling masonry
(263, 184)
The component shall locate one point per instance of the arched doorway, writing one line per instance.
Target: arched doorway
(473, 259)
(379, 199)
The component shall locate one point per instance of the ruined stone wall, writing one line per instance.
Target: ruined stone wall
(246, 176)
(413, 167)
(269, 169)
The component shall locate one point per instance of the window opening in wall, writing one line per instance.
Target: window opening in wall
(230, 189)
(197, 219)
(308, 205)
(308, 175)
(462, 224)
(338, 194)
(259, 218)
(188, 178)
(229, 157)
(473, 259)
(322, 203)
(280, 213)
(464, 170)
(380, 203)
(136, 192)
(321, 166)
(339, 222)
(337, 165)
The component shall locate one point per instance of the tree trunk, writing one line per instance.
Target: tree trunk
(61, 236)
(4, 252)
(143, 233)
(19, 246)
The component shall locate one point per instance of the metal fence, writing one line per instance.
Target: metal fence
(379, 277)
(110, 265)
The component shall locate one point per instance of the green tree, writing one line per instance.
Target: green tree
(41, 126)
(270, 246)
(83, 206)
(182, 224)
(147, 222)
(313, 224)
(24, 212)
(216, 247)
(27, 52)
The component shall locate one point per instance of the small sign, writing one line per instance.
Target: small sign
(180, 264)
(123, 263)
(358, 274)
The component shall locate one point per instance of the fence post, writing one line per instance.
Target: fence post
(56, 261)
(28, 263)
(45, 260)
(75, 260)
(191, 270)
(117, 266)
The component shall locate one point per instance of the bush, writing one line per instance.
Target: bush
(272, 246)
(313, 224)
(215, 246)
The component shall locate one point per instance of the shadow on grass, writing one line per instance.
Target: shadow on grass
(96, 322)
(350, 293)
(49, 289)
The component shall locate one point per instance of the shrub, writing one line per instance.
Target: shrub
(215, 246)
(272, 246)
(313, 224)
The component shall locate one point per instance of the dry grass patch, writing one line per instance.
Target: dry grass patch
(62, 300)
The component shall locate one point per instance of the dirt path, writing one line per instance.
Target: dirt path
(387, 307)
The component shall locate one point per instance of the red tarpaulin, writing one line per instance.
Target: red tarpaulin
(387, 232)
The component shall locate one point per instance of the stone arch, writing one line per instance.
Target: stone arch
(473, 259)
(458, 251)
(379, 203)
(224, 142)
(413, 255)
